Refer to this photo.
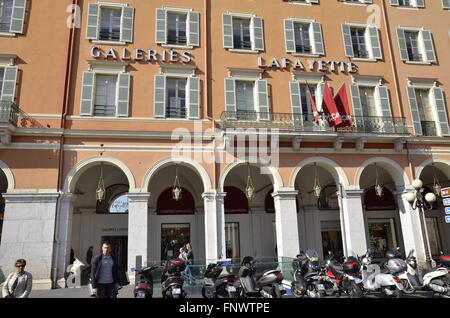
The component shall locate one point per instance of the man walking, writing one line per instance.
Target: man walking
(104, 273)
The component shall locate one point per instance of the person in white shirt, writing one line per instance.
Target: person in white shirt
(18, 284)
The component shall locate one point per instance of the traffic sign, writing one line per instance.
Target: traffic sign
(446, 202)
(445, 192)
(447, 210)
(447, 219)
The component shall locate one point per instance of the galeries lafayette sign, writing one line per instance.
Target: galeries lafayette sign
(320, 65)
(141, 55)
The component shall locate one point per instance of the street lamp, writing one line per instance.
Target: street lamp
(419, 201)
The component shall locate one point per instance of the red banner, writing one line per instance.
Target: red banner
(341, 101)
(329, 108)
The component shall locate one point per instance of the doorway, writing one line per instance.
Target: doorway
(119, 248)
(173, 237)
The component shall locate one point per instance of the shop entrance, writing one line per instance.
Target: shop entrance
(119, 248)
(173, 237)
(332, 238)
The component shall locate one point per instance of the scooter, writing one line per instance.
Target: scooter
(266, 285)
(345, 277)
(172, 280)
(375, 281)
(438, 279)
(405, 270)
(308, 276)
(143, 282)
(217, 286)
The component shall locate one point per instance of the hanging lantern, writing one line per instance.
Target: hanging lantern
(249, 189)
(379, 190)
(176, 190)
(100, 192)
(436, 185)
(317, 188)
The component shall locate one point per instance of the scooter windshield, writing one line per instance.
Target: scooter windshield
(312, 255)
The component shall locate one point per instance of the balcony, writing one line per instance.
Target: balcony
(305, 123)
(9, 113)
(428, 128)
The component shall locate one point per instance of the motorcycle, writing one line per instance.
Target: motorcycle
(172, 280)
(438, 279)
(345, 277)
(308, 276)
(406, 270)
(267, 284)
(217, 286)
(373, 280)
(143, 282)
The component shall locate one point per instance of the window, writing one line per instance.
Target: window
(177, 27)
(2, 74)
(357, 1)
(110, 22)
(12, 16)
(382, 236)
(245, 98)
(232, 243)
(428, 111)
(301, 102)
(105, 95)
(176, 98)
(173, 237)
(116, 200)
(408, 3)
(362, 41)
(303, 1)
(302, 40)
(368, 104)
(243, 32)
(303, 37)
(416, 45)
(306, 100)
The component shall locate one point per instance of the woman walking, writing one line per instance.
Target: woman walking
(189, 262)
(18, 284)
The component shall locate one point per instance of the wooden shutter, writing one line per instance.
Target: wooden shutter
(230, 98)
(123, 97)
(126, 32)
(93, 21)
(402, 44)
(18, 16)
(194, 97)
(227, 27)
(441, 111)
(318, 38)
(415, 115)
(161, 26)
(375, 42)
(258, 34)
(289, 36)
(194, 28)
(159, 106)
(87, 94)
(9, 83)
(385, 104)
(429, 47)
(347, 40)
(263, 99)
(356, 99)
(296, 103)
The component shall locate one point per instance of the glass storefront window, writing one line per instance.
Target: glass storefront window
(382, 237)
(232, 242)
(434, 237)
(173, 237)
(332, 238)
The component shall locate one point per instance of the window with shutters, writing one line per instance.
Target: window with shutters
(241, 34)
(416, 45)
(368, 103)
(412, 45)
(176, 98)
(6, 8)
(302, 38)
(245, 100)
(306, 101)
(362, 41)
(426, 112)
(359, 43)
(408, 3)
(110, 22)
(105, 95)
(176, 28)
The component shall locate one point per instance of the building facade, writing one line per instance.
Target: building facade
(141, 97)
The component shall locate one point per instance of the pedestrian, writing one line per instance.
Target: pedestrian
(18, 284)
(89, 255)
(189, 262)
(182, 254)
(105, 274)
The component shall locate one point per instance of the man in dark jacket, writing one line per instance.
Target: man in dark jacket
(104, 273)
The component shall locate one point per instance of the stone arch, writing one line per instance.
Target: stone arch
(424, 164)
(332, 167)
(187, 162)
(392, 167)
(76, 172)
(273, 172)
(9, 175)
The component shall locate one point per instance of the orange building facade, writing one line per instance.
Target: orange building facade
(137, 98)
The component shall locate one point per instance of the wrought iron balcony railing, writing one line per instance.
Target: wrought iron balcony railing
(414, 57)
(306, 123)
(428, 128)
(109, 36)
(303, 48)
(9, 113)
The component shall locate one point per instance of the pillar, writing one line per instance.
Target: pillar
(353, 224)
(288, 243)
(214, 225)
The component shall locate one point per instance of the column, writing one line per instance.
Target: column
(137, 231)
(214, 225)
(288, 243)
(64, 236)
(411, 228)
(353, 224)
(28, 232)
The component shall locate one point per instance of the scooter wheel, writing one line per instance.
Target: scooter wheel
(407, 287)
